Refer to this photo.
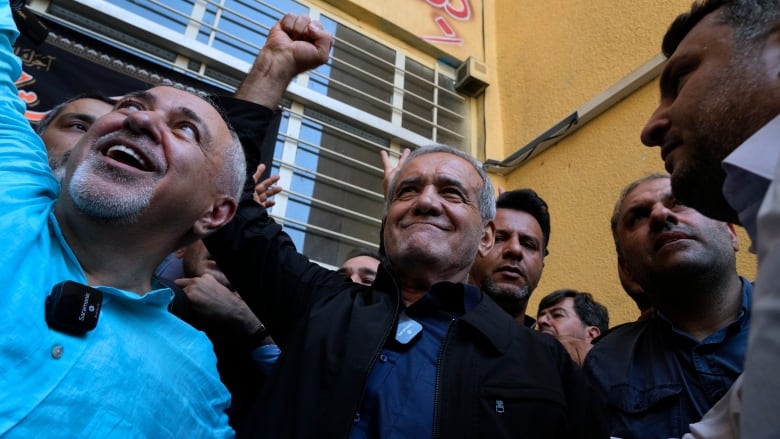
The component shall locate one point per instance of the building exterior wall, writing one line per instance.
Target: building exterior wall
(544, 59)
(551, 57)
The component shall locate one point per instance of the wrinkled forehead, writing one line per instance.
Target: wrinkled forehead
(185, 104)
(659, 189)
(440, 168)
(165, 97)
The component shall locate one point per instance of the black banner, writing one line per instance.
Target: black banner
(69, 63)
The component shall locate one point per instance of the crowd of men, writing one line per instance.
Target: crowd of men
(137, 307)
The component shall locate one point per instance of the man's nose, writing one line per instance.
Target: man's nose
(656, 127)
(428, 202)
(661, 216)
(513, 248)
(149, 123)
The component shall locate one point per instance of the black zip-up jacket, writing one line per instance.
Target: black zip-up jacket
(496, 378)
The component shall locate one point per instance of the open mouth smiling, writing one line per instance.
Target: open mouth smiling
(128, 155)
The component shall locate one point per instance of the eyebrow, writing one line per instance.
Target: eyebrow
(77, 116)
(438, 181)
(367, 271)
(203, 128)
(552, 309)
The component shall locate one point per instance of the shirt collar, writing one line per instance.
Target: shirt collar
(159, 297)
(456, 298)
(749, 170)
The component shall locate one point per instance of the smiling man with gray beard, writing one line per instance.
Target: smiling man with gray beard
(127, 202)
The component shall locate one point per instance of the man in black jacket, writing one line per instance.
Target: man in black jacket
(420, 353)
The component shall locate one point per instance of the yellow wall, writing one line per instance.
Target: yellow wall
(545, 60)
(451, 28)
(548, 58)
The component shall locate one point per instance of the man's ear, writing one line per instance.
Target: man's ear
(221, 212)
(591, 332)
(624, 273)
(771, 52)
(488, 238)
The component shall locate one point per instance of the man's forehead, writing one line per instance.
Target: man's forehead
(172, 97)
(648, 191)
(565, 304)
(707, 35)
(437, 167)
(87, 105)
(511, 219)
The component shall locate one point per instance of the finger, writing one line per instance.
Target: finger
(300, 27)
(404, 156)
(183, 282)
(270, 181)
(258, 173)
(287, 22)
(386, 163)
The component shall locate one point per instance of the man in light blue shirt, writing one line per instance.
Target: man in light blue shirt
(126, 202)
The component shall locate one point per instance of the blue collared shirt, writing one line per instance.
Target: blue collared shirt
(657, 379)
(140, 373)
(401, 387)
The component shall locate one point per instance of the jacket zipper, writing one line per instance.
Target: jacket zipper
(437, 391)
(356, 407)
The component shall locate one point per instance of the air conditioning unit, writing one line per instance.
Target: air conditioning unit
(471, 77)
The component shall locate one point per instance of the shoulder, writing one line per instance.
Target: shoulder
(625, 345)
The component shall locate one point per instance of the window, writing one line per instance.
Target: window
(370, 96)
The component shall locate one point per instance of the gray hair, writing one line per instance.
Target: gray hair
(232, 176)
(486, 197)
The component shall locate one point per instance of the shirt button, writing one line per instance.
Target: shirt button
(383, 358)
(56, 351)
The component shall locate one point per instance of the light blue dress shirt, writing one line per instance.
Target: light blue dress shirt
(140, 373)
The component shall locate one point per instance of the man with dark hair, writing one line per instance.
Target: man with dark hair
(574, 318)
(64, 125)
(419, 353)
(510, 272)
(361, 265)
(661, 374)
(718, 128)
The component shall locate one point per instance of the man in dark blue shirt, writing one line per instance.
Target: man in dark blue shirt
(419, 353)
(663, 373)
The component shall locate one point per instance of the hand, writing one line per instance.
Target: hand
(390, 169)
(211, 299)
(265, 189)
(296, 43)
(303, 42)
